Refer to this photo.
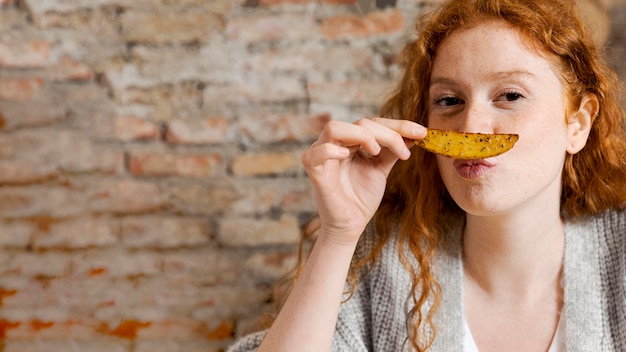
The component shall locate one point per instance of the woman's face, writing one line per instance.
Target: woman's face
(485, 80)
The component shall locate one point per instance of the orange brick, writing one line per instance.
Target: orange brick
(256, 232)
(263, 164)
(116, 263)
(78, 233)
(68, 69)
(283, 26)
(121, 196)
(272, 128)
(169, 26)
(163, 232)
(134, 128)
(30, 113)
(206, 131)
(168, 164)
(49, 264)
(349, 92)
(373, 24)
(34, 54)
(25, 172)
(127, 329)
(19, 88)
(282, 2)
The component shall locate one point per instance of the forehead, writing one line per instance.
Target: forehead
(490, 46)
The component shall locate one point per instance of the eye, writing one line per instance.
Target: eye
(448, 101)
(510, 96)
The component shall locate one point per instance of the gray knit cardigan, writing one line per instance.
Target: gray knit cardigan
(594, 312)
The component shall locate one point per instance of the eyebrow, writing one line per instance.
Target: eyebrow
(497, 76)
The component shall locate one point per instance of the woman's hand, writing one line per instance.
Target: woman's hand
(348, 166)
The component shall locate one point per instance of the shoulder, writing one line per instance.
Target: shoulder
(613, 221)
(611, 232)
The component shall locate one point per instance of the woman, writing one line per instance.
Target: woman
(525, 251)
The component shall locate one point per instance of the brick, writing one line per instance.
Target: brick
(95, 345)
(311, 57)
(163, 232)
(123, 196)
(227, 302)
(342, 112)
(68, 69)
(70, 151)
(182, 329)
(262, 89)
(82, 295)
(15, 235)
(206, 131)
(168, 26)
(47, 330)
(345, 92)
(282, 26)
(19, 89)
(116, 263)
(115, 196)
(129, 128)
(123, 77)
(128, 321)
(259, 196)
(104, 196)
(262, 164)
(25, 172)
(188, 345)
(241, 197)
(204, 266)
(27, 201)
(283, 2)
(167, 101)
(44, 6)
(163, 164)
(258, 232)
(29, 54)
(78, 233)
(200, 199)
(270, 267)
(21, 293)
(213, 62)
(30, 114)
(175, 293)
(373, 24)
(273, 128)
(47, 264)
(82, 16)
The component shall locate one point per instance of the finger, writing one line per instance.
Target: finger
(348, 135)
(407, 129)
(319, 154)
(388, 138)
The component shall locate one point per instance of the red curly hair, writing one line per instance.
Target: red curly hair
(594, 180)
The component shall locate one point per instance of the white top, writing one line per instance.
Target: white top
(557, 344)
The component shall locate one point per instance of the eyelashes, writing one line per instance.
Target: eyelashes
(450, 100)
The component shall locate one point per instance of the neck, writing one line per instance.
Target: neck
(518, 253)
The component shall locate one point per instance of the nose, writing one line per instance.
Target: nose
(476, 117)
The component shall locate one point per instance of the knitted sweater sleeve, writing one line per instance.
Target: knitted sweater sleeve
(612, 231)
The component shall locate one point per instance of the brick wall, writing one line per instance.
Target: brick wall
(150, 182)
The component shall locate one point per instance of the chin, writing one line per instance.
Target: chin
(480, 204)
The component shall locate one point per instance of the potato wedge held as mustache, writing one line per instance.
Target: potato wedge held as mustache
(465, 145)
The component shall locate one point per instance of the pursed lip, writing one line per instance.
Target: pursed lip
(472, 169)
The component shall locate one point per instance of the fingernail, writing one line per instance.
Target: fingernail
(406, 153)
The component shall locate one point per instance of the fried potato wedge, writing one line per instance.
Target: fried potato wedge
(464, 145)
